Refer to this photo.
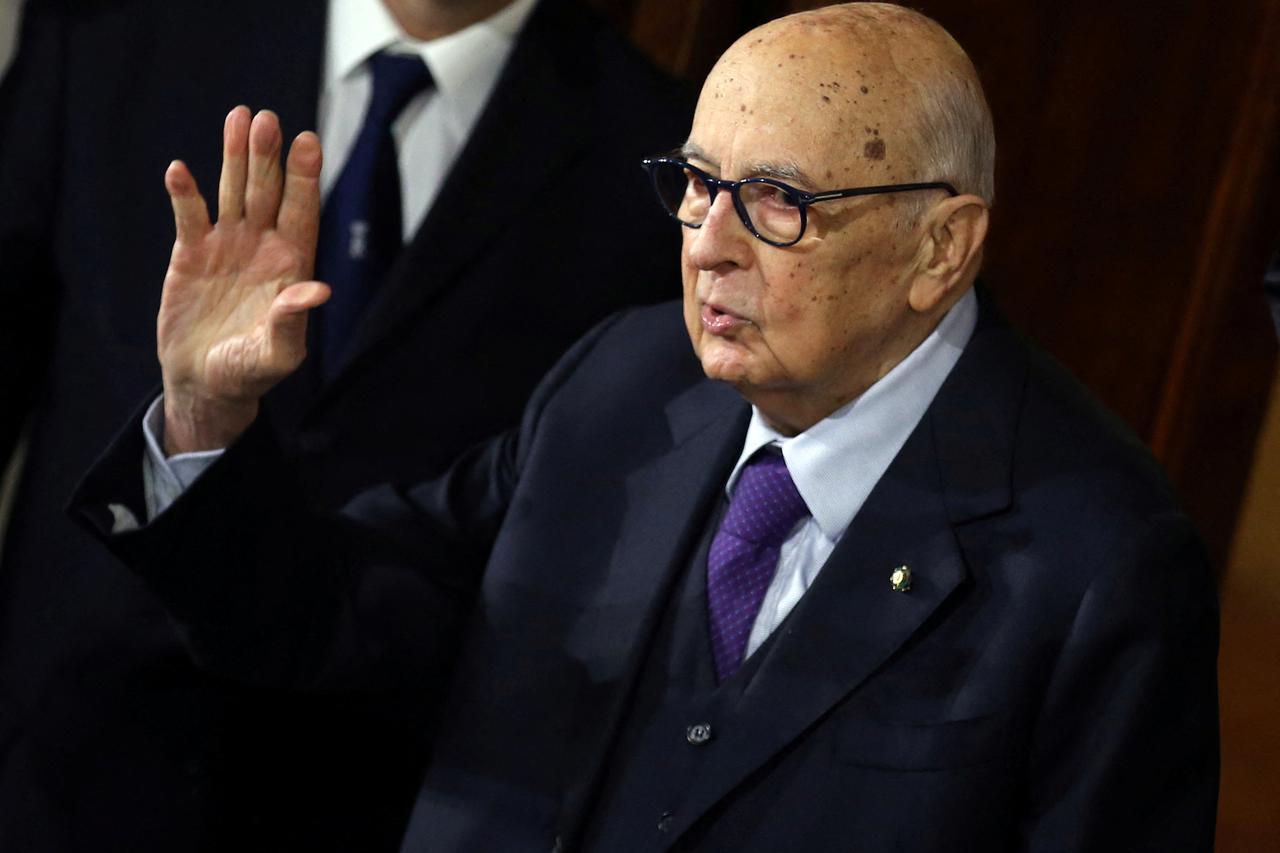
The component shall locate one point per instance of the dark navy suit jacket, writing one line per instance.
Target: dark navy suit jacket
(109, 738)
(1048, 683)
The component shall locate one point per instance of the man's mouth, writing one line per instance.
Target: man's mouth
(719, 321)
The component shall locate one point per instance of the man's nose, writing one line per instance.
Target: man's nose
(723, 237)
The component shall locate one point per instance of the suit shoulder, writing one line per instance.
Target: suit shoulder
(1083, 429)
(1057, 495)
(633, 362)
(646, 348)
(1080, 474)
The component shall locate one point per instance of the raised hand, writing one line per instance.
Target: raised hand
(233, 315)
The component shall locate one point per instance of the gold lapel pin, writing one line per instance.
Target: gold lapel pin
(900, 580)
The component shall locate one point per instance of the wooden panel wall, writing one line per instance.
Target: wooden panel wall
(1137, 200)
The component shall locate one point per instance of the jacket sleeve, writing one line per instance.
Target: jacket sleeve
(30, 136)
(265, 589)
(1125, 751)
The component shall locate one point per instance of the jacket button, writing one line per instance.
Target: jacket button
(698, 733)
(664, 822)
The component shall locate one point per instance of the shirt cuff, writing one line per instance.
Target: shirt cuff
(165, 479)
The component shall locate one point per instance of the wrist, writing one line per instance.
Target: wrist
(194, 422)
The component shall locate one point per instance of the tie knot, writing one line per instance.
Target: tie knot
(766, 504)
(397, 78)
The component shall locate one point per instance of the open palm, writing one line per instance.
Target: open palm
(232, 319)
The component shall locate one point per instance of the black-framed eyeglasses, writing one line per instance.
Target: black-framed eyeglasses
(775, 212)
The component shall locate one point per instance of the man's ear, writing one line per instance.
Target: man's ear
(950, 249)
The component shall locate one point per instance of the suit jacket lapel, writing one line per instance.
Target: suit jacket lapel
(517, 127)
(953, 470)
(668, 502)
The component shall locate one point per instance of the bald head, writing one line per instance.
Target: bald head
(889, 90)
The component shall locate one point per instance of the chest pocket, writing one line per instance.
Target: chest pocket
(921, 746)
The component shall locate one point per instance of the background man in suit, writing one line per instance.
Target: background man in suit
(109, 738)
(956, 608)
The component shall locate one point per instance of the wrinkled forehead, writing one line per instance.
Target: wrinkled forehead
(826, 99)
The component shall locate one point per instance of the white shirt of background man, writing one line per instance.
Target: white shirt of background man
(433, 128)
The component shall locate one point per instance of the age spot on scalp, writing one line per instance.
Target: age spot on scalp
(863, 89)
(874, 149)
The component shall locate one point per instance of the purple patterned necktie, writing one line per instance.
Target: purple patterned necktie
(764, 509)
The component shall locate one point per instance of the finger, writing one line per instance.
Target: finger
(287, 321)
(262, 190)
(235, 163)
(299, 218)
(190, 213)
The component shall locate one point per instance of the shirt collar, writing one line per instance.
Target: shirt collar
(837, 462)
(457, 62)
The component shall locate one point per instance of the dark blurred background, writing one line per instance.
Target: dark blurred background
(1138, 205)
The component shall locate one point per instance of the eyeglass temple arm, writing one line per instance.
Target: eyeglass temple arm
(810, 198)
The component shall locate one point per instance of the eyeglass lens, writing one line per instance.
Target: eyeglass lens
(772, 211)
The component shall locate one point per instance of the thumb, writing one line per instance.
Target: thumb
(287, 320)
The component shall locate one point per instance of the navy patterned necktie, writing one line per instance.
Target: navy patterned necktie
(765, 508)
(361, 226)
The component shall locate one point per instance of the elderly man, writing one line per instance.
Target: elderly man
(867, 573)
